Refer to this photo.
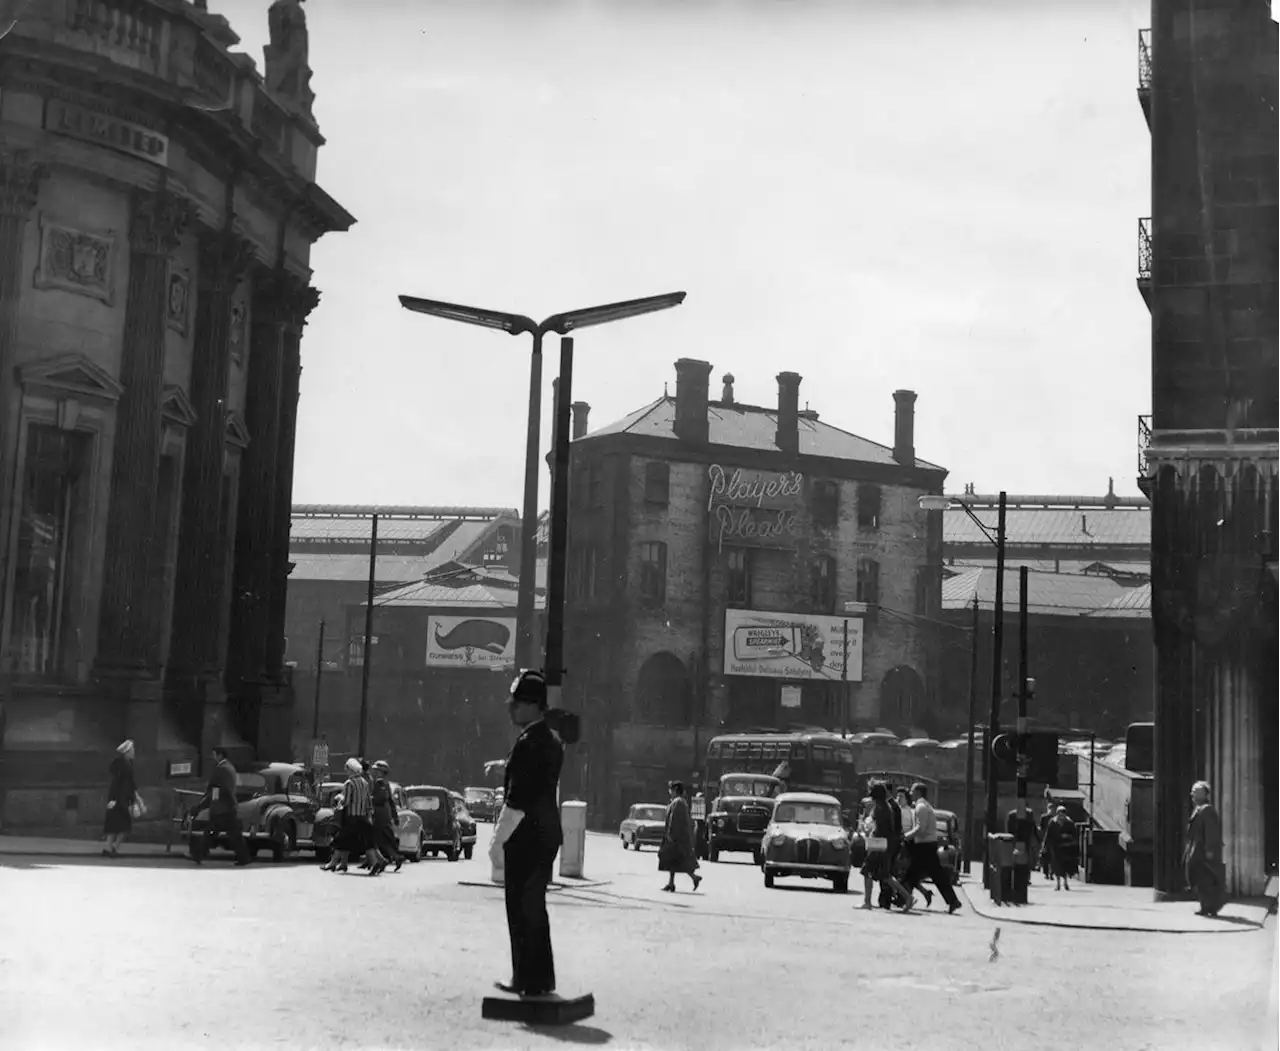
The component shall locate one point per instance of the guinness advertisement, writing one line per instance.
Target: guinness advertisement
(470, 642)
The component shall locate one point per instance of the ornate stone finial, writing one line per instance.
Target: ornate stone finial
(224, 258)
(288, 74)
(159, 221)
(20, 178)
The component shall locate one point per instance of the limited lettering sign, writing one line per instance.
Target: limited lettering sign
(63, 118)
(752, 508)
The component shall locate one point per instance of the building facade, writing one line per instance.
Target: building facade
(157, 210)
(1208, 271)
(714, 548)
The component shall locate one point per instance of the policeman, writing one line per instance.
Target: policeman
(527, 837)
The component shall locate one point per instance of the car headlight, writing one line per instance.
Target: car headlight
(777, 839)
(840, 843)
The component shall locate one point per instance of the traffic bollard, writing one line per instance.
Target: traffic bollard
(573, 824)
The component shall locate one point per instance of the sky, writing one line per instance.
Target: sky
(940, 196)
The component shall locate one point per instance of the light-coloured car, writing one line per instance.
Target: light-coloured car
(921, 742)
(644, 826)
(806, 838)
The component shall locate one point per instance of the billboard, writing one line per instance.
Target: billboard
(791, 645)
(470, 642)
(753, 508)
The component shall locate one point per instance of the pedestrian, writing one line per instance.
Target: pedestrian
(1050, 808)
(356, 835)
(220, 798)
(123, 801)
(1026, 846)
(1202, 856)
(676, 853)
(882, 847)
(1062, 843)
(898, 860)
(903, 798)
(386, 820)
(527, 836)
(922, 845)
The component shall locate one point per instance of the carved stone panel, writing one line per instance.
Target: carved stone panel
(76, 260)
(178, 299)
(237, 337)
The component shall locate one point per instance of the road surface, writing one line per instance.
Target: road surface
(155, 953)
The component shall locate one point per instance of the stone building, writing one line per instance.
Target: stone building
(693, 523)
(1208, 271)
(157, 210)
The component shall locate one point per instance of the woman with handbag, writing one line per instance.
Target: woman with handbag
(882, 848)
(123, 802)
(676, 853)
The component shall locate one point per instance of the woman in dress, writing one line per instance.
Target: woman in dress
(122, 796)
(1063, 845)
(677, 854)
(356, 835)
(877, 868)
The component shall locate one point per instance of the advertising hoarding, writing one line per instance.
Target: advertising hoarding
(791, 645)
(470, 642)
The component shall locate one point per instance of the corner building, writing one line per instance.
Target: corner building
(157, 210)
(690, 521)
(1208, 271)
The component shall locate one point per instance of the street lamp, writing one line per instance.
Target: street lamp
(515, 325)
(939, 502)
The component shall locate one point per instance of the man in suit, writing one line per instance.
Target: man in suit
(527, 836)
(220, 798)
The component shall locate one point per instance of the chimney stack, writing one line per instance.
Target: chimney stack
(693, 382)
(581, 410)
(727, 396)
(788, 437)
(904, 427)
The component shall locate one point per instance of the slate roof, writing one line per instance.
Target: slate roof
(1050, 594)
(753, 427)
(473, 587)
(1070, 567)
(1095, 527)
(355, 568)
(360, 529)
(1135, 603)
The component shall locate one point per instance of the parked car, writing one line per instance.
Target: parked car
(278, 808)
(921, 742)
(409, 839)
(644, 826)
(466, 823)
(806, 838)
(874, 737)
(480, 802)
(441, 833)
(740, 814)
(949, 853)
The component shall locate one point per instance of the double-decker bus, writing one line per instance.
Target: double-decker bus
(808, 761)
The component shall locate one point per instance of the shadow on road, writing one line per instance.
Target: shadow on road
(571, 1034)
(139, 861)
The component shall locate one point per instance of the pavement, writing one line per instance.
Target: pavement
(150, 952)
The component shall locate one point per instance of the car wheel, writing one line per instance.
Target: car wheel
(624, 842)
(416, 854)
(757, 856)
(768, 879)
(455, 848)
(468, 850)
(283, 841)
(841, 884)
(713, 853)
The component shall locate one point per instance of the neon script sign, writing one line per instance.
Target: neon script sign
(742, 506)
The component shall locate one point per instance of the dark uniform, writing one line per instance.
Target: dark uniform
(533, 773)
(221, 799)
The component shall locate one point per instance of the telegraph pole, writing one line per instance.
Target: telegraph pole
(368, 639)
(315, 716)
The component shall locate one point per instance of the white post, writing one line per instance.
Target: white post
(573, 823)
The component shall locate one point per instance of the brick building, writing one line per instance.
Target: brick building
(158, 206)
(1208, 271)
(693, 520)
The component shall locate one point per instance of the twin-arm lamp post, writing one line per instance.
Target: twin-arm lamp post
(562, 324)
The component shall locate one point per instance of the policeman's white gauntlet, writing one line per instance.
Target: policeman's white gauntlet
(508, 821)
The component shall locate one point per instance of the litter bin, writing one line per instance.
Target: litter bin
(573, 824)
(1000, 867)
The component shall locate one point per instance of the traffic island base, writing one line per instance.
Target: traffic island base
(543, 1010)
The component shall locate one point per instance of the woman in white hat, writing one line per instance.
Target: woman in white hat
(356, 836)
(122, 800)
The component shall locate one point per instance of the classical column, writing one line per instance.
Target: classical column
(200, 584)
(255, 530)
(129, 632)
(302, 299)
(20, 178)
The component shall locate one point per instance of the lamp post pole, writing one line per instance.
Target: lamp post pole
(515, 325)
(558, 545)
(315, 715)
(368, 639)
(997, 657)
(973, 717)
(844, 684)
(1022, 692)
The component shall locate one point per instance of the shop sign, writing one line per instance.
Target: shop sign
(62, 118)
(753, 508)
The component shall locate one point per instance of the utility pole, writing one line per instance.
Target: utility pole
(368, 639)
(315, 716)
(1022, 692)
(997, 682)
(973, 718)
(844, 684)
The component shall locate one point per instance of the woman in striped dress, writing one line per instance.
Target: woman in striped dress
(356, 836)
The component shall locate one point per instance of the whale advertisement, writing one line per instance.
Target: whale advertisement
(470, 642)
(791, 645)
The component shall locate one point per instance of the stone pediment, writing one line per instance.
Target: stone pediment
(176, 407)
(237, 433)
(72, 375)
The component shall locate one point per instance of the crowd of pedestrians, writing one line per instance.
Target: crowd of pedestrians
(368, 821)
(901, 837)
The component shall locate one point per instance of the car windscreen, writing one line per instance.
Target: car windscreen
(250, 785)
(807, 814)
(650, 813)
(478, 795)
(742, 786)
(424, 803)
